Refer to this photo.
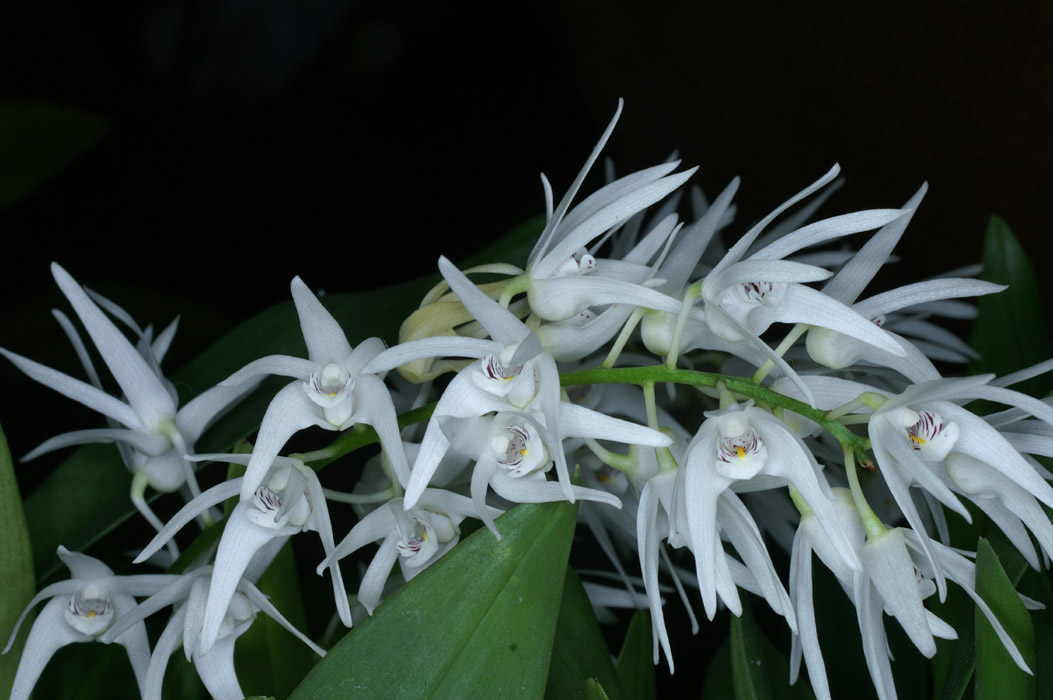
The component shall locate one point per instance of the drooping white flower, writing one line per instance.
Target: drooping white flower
(81, 609)
(914, 433)
(512, 451)
(215, 663)
(288, 501)
(415, 538)
(330, 390)
(563, 277)
(155, 431)
(744, 446)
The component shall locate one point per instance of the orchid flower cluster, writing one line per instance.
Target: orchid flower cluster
(542, 385)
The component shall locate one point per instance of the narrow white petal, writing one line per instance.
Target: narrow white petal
(499, 322)
(679, 266)
(617, 211)
(372, 586)
(806, 305)
(578, 421)
(166, 645)
(374, 527)
(265, 605)
(437, 346)
(50, 632)
(564, 297)
(239, 544)
(852, 279)
(378, 410)
(555, 217)
(148, 443)
(213, 496)
(825, 230)
(325, 339)
(536, 489)
(138, 380)
(922, 292)
(199, 413)
(81, 392)
(60, 588)
(215, 667)
(280, 365)
(289, 412)
(743, 244)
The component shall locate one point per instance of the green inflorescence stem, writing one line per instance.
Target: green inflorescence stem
(737, 385)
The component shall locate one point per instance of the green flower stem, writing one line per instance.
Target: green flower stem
(737, 385)
(871, 523)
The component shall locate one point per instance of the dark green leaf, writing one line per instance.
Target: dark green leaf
(635, 663)
(579, 652)
(749, 668)
(997, 676)
(479, 623)
(960, 667)
(719, 683)
(38, 141)
(1011, 332)
(16, 561)
(758, 669)
(594, 690)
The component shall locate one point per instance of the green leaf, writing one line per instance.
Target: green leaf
(479, 623)
(267, 657)
(759, 670)
(635, 662)
(579, 652)
(594, 690)
(997, 676)
(749, 669)
(16, 561)
(1010, 331)
(719, 683)
(39, 140)
(960, 667)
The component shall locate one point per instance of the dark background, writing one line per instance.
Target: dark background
(352, 143)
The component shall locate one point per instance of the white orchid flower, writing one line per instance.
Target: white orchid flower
(745, 447)
(288, 501)
(331, 390)
(157, 433)
(914, 433)
(563, 277)
(416, 538)
(81, 609)
(512, 451)
(513, 374)
(215, 663)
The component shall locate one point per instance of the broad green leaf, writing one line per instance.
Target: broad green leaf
(38, 141)
(16, 561)
(78, 518)
(594, 690)
(635, 662)
(479, 623)
(997, 676)
(958, 674)
(749, 668)
(579, 651)
(719, 683)
(759, 670)
(267, 657)
(1010, 331)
